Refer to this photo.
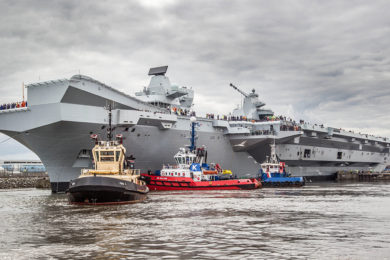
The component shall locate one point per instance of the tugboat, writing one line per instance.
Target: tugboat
(192, 172)
(273, 173)
(113, 180)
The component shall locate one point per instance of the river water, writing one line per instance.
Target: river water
(318, 221)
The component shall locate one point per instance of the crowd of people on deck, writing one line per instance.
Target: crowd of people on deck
(182, 112)
(244, 118)
(287, 124)
(13, 105)
(290, 128)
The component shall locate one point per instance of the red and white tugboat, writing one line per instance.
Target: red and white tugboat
(193, 173)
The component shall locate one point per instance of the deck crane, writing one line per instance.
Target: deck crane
(239, 90)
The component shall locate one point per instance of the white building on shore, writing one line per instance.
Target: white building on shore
(21, 166)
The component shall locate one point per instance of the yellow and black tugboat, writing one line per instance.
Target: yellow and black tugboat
(113, 180)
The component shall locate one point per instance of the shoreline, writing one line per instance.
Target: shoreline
(17, 182)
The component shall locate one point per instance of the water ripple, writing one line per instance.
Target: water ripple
(327, 221)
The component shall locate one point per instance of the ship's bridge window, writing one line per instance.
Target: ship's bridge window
(97, 156)
(339, 155)
(178, 160)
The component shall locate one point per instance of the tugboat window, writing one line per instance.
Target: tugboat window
(107, 159)
(117, 156)
(339, 155)
(306, 153)
(107, 153)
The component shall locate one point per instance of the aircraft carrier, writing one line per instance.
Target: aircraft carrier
(61, 115)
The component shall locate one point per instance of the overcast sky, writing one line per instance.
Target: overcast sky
(322, 61)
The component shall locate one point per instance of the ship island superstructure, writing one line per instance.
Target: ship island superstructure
(60, 114)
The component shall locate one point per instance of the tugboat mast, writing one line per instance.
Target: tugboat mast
(109, 129)
(274, 158)
(193, 134)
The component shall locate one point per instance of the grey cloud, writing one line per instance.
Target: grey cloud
(332, 73)
(307, 54)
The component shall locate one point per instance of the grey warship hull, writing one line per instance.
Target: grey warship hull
(62, 114)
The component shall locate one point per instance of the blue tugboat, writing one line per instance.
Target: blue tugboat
(273, 173)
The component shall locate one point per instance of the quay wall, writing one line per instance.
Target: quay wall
(17, 182)
(362, 176)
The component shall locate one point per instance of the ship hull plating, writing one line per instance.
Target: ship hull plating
(58, 146)
(97, 190)
(159, 183)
